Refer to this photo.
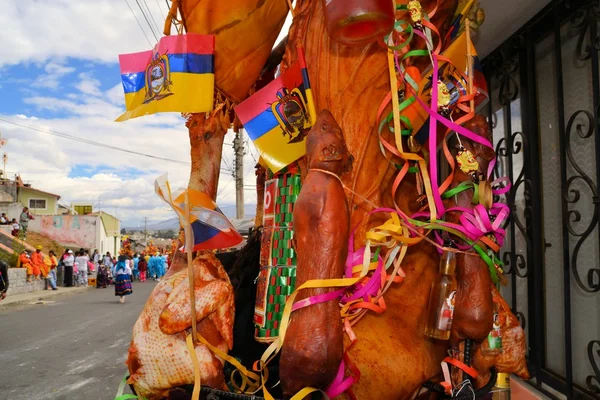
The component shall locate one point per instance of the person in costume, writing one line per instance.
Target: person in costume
(161, 267)
(24, 219)
(25, 262)
(82, 268)
(37, 263)
(152, 267)
(136, 271)
(123, 279)
(96, 257)
(51, 262)
(15, 227)
(143, 268)
(102, 277)
(108, 260)
(69, 263)
(165, 264)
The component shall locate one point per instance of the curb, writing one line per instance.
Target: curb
(40, 295)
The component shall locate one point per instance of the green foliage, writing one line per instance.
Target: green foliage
(166, 234)
(11, 259)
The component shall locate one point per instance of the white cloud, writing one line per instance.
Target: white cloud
(115, 94)
(93, 30)
(54, 73)
(88, 85)
(49, 33)
(127, 187)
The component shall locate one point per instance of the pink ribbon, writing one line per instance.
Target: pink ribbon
(340, 384)
(476, 222)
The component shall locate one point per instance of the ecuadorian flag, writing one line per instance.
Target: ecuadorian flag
(177, 75)
(210, 227)
(278, 117)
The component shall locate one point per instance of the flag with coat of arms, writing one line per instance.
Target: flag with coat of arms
(210, 227)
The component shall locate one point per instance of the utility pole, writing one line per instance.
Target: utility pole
(3, 142)
(238, 148)
(4, 160)
(146, 230)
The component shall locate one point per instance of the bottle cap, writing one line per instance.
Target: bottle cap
(503, 380)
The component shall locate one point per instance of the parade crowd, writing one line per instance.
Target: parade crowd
(73, 269)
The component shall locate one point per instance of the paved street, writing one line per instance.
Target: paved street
(71, 348)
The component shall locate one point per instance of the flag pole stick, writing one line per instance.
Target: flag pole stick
(310, 101)
(189, 245)
(470, 61)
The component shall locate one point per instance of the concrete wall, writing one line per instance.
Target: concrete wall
(13, 210)
(9, 191)
(51, 201)
(17, 278)
(68, 230)
(111, 224)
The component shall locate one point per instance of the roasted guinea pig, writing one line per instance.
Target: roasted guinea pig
(158, 358)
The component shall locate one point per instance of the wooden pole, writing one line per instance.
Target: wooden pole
(470, 61)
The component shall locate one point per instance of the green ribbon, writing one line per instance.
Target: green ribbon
(490, 261)
(120, 395)
(467, 185)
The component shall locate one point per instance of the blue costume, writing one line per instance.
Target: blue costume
(151, 267)
(165, 265)
(136, 271)
(162, 266)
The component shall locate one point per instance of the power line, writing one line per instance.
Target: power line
(91, 142)
(152, 17)
(138, 22)
(162, 14)
(146, 18)
(224, 192)
(226, 161)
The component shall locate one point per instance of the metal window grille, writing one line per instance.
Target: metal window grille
(544, 102)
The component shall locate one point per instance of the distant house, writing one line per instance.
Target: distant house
(82, 208)
(109, 238)
(62, 209)
(38, 201)
(15, 194)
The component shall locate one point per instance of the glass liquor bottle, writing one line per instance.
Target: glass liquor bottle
(501, 391)
(358, 22)
(441, 299)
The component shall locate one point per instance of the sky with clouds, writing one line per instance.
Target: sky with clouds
(59, 71)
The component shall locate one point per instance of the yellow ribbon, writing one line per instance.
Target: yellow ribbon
(197, 381)
(398, 137)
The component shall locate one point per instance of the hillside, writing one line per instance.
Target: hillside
(48, 244)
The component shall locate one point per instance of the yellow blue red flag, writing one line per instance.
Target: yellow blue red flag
(177, 75)
(278, 117)
(210, 227)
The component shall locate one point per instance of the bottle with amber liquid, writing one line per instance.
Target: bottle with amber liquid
(441, 299)
(358, 22)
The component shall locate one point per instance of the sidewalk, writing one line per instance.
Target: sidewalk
(42, 295)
